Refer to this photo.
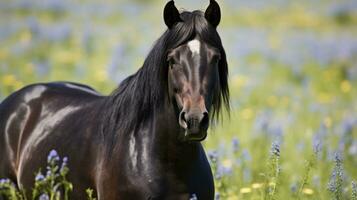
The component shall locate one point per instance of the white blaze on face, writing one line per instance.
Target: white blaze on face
(194, 46)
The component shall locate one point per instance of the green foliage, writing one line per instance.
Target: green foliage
(55, 180)
(90, 194)
(52, 186)
(9, 190)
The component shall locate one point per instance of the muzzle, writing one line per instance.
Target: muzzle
(195, 124)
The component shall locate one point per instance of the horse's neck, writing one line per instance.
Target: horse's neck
(153, 152)
(157, 143)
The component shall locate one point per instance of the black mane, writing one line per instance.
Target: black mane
(139, 95)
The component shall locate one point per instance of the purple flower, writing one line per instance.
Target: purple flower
(53, 156)
(64, 163)
(217, 196)
(48, 173)
(44, 197)
(193, 197)
(275, 149)
(246, 156)
(4, 181)
(235, 145)
(294, 187)
(213, 156)
(39, 177)
(336, 180)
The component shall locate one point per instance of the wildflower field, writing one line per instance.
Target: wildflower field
(292, 131)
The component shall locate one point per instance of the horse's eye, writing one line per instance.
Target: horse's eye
(175, 66)
(216, 57)
(171, 63)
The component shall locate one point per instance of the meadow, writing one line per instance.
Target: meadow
(292, 130)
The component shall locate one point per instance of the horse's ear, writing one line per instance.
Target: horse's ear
(171, 14)
(213, 13)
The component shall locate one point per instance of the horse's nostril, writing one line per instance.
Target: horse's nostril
(182, 116)
(194, 122)
(205, 120)
(182, 120)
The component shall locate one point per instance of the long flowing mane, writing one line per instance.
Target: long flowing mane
(139, 95)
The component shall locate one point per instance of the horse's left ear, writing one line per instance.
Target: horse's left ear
(171, 14)
(213, 13)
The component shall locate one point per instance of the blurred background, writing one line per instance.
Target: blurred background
(293, 78)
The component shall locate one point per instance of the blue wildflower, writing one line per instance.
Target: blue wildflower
(275, 149)
(4, 181)
(336, 180)
(213, 156)
(64, 164)
(193, 197)
(39, 177)
(48, 173)
(347, 125)
(294, 187)
(246, 155)
(217, 196)
(53, 155)
(219, 173)
(44, 197)
(235, 145)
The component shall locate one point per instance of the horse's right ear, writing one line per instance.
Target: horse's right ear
(213, 13)
(171, 14)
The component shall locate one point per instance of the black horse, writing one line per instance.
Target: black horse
(142, 141)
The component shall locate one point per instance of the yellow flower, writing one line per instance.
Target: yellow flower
(272, 184)
(257, 185)
(345, 86)
(245, 190)
(247, 114)
(227, 163)
(8, 80)
(308, 191)
(67, 57)
(239, 81)
(18, 85)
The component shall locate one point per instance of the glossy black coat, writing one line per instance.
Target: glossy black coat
(127, 145)
(149, 165)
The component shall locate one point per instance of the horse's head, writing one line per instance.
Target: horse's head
(197, 69)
